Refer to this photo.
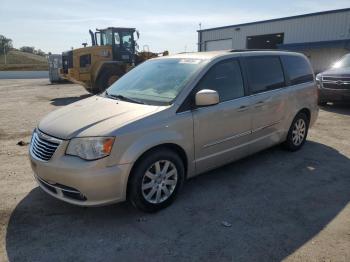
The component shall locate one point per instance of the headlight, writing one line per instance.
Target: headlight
(319, 80)
(90, 148)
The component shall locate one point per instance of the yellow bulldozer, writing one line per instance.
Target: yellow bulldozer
(112, 53)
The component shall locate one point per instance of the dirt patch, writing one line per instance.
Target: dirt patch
(5, 136)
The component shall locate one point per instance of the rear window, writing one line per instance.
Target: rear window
(264, 73)
(298, 69)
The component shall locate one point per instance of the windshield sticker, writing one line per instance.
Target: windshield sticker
(190, 61)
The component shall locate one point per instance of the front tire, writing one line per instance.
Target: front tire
(156, 180)
(297, 132)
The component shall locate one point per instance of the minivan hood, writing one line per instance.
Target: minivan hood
(94, 116)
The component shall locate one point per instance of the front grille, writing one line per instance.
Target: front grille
(336, 78)
(332, 85)
(43, 146)
(336, 82)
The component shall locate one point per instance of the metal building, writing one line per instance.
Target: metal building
(324, 36)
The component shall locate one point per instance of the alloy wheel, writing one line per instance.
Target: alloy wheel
(299, 131)
(159, 181)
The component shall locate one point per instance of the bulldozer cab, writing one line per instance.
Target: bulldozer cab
(122, 42)
(112, 53)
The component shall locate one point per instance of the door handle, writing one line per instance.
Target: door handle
(242, 109)
(259, 104)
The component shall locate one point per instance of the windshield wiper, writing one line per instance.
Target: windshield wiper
(124, 98)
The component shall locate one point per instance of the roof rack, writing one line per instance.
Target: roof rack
(247, 50)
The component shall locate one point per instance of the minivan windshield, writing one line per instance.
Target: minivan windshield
(155, 82)
(343, 62)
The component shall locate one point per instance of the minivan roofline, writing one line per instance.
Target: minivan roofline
(208, 55)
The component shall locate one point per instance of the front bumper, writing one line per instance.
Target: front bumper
(80, 182)
(333, 95)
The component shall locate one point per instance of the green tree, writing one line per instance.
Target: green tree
(5, 44)
(40, 52)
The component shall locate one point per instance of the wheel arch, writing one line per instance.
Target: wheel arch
(170, 146)
(291, 118)
(306, 111)
(287, 144)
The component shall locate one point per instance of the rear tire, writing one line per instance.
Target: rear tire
(106, 78)
(297, 132)
(156, 180)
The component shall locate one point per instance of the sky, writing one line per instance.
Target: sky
(56, 26)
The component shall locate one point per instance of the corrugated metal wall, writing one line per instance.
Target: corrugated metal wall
(323, 27)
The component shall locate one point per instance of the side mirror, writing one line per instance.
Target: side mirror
(207, 97)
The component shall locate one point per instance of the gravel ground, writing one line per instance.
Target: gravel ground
(272, 206)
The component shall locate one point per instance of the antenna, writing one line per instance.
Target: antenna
(5, 55)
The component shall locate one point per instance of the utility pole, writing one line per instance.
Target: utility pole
(5, 55)
(200, 38)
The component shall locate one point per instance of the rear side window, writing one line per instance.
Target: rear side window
(264, 73)
(226, 79)
(298, 69)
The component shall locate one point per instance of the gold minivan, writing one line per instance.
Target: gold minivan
(170, 119)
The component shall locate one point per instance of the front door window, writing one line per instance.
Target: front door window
(226, 79)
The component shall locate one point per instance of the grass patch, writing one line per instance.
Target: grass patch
(29, 67)
(21, 61)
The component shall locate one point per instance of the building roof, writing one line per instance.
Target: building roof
(117, 28)
(279, 19)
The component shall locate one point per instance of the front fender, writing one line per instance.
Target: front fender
(137, 138)
(148, 141)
